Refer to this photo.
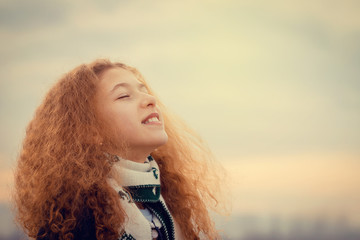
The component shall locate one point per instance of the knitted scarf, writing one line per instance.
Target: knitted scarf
(141, 183)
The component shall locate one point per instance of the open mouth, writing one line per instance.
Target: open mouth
(152, 118)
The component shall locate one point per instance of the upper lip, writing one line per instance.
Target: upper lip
(151, 116)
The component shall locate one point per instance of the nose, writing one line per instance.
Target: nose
(148, 100)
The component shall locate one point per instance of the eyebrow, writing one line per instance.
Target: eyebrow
(126, 85)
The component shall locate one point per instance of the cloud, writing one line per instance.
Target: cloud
(301, 184)
(29, 15)
(275, 71)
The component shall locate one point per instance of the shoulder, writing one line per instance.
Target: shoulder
(85, 226)
(84, 229)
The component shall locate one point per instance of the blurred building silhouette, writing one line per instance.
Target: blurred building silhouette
(253, 227)
(245, 227)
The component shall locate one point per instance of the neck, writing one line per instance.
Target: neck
(135, 156)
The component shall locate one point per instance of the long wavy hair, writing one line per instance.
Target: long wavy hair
(62, 168)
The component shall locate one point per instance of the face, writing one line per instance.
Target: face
(130, 112)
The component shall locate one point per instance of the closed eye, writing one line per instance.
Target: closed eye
(123, 96)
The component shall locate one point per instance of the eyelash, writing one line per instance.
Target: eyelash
(124, 96)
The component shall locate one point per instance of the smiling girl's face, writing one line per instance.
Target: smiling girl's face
(131, 113)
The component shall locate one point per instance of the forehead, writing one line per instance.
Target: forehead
(114, 76)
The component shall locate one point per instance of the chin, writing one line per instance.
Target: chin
(161, 140)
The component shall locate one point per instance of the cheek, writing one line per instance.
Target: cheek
(120, 119)
(124, 121)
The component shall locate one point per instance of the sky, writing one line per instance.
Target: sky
(272, 86)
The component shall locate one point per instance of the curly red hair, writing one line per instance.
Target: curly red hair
(62, 167)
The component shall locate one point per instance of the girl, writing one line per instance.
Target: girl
(102, 159)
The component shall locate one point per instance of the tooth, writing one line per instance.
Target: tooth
(153, 119)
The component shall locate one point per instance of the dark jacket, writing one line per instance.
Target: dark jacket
(84, 229)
